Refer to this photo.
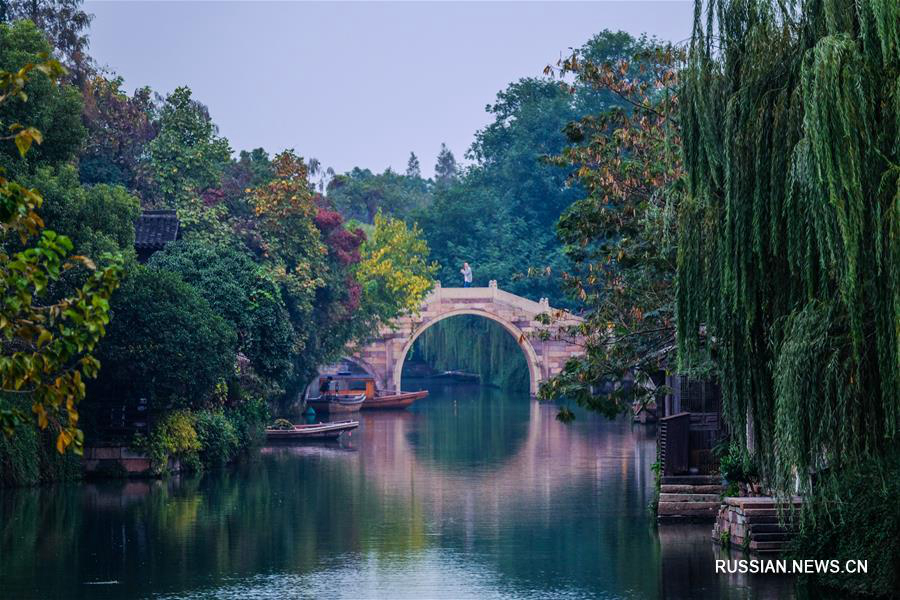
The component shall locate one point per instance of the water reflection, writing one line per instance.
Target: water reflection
(473, 494)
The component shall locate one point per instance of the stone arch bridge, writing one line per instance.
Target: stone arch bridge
(383, 357)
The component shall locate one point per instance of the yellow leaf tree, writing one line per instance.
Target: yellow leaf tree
(394, 271)
(45, 342)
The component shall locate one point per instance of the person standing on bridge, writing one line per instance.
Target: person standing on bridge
(467, 275)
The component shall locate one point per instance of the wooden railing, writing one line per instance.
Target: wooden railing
(673, 443)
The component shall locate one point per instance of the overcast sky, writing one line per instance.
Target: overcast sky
(354, 84)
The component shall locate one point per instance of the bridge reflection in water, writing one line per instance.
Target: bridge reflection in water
(473, 494)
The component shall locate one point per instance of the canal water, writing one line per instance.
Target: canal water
(472, 493)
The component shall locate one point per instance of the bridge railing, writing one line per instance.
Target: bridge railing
(491, 292)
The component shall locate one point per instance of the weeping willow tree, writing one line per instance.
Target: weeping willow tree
(789, 250)
(474, 345)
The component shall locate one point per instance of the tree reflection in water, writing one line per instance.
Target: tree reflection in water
(472, 493)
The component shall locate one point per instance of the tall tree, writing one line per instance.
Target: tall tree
(789, 254)
(789, 241)
(360, 194)
(64, 25)
(394, 272)
(298, 244)
(500, 215)
(53, 109)
(413, 169)
(238, 289)
(252, 169)
(158, 318)
(187, 156)
(46, 344)
(621, 236)
(445, 170)
(119, 130)
(98, 219)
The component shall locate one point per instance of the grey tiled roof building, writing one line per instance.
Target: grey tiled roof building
(153, 230)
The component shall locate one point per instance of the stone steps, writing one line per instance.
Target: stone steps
(763, 528)
(775, 546)
(761, 525)
(691, 480)
(689, 498)
(690, 489)
(761, 520)
(674, 508)
(771, 537)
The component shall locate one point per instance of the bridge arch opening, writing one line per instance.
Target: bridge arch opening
(531, 358)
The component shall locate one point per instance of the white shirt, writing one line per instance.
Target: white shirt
(467, 274)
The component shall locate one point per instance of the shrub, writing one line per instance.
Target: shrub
(249, 418)
(736, 465)
(217, 436)
(174, 437)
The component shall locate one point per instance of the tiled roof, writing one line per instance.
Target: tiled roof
(155, 228)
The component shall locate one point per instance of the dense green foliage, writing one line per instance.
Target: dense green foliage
(262, 288)
(239, 291)
(856, 516)
(474, 344)
(98, 218)
(186, 156)
(173, 438)
(789, 253)
(204, 439)
(47, 339)
(54, 110)
(164, 343)
(30, 456)
(217, 437)
(360, 194)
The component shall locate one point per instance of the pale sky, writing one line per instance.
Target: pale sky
(354, 83)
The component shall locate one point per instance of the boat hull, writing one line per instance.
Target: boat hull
(393, 401)
(334, 405)
(318, 431)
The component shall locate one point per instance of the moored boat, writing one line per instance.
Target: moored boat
(457, 376)
(389, 399)
(317, 431)
(345, 384)
(336, 403)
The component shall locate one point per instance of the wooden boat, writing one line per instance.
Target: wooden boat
(456, 376)
(389, 399)
(317, 431)
(336, 403)
(348, 384)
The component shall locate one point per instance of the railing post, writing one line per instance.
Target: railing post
(437, 292)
